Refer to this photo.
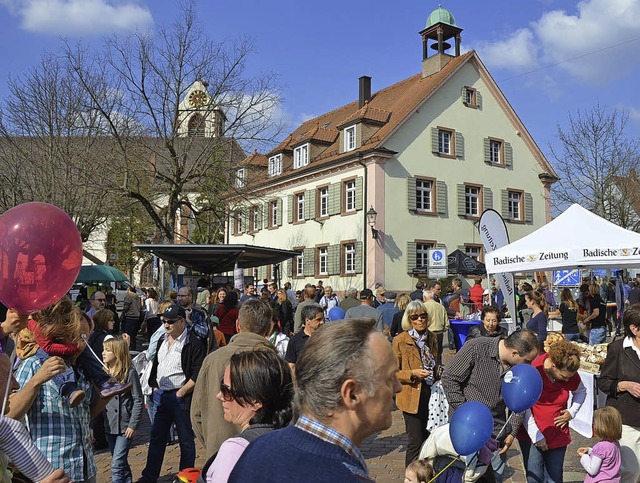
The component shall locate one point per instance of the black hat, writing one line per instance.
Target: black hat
(174, 312)
(366, 294)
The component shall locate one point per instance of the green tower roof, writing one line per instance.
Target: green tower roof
(441, 15)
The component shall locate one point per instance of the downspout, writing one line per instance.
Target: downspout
(364, 214)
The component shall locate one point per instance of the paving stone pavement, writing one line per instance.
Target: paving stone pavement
(383, 451)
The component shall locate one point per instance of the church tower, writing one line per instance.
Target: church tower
(441, 26)
(198, 116)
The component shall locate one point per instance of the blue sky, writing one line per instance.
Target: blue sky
(319, 49)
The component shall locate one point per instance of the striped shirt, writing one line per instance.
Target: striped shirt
(59, 431)
(16, 443)
(170, 373)
(330, 435)
(475, 374)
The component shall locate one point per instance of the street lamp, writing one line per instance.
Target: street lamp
(371, 220)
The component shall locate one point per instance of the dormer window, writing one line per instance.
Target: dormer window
(350, 138)
(240, 178)
(275, 165)
(301, 156)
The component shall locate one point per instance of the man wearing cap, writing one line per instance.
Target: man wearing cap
(173, 376)
(366, 310)
(388, 309)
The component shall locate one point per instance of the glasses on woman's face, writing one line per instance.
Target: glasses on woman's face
(226, 391)
(422, 315)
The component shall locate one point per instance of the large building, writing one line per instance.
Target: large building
(427, 155)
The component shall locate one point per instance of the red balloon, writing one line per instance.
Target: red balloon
(40, 256)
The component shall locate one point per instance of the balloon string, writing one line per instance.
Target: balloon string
(444, 469)
(505, 425)
(84, 337)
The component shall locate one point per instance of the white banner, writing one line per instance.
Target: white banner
(493, 233)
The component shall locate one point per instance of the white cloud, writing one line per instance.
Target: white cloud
(79, 17)
(577, 42)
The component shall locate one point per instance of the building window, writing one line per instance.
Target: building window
(349, 258)
(473, 251)
(275, 165)
(350, 138)
(298, 208)
(323, 202)
(195, 127)
(424, 195)
(300, 156)
(350, 196)
(240, 178)
(323, 261)
(470, 97)
(238, 218)
(515, 205)
(273, 214)
(422, 254)
(298, 265)
(254, 219)
(444, 142)
(471, 200)
(495, 151)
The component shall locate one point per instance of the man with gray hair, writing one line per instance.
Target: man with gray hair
(207, 417)
(345, 382)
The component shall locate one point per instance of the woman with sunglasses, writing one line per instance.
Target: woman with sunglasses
(416, 350)
(256, 393)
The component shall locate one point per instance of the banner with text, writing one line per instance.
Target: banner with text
(493, 233)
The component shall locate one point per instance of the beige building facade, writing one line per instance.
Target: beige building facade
(428, 154)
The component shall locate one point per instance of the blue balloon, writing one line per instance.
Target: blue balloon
(521, 387)
(470, 427)
(336, 313)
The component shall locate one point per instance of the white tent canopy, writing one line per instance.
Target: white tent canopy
(575, 239)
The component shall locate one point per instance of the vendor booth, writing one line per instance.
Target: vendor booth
(575, 239)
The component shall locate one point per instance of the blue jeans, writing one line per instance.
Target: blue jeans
(542, 466)
(575, 337)
(119, 447)
(598, 335)
(169, 409)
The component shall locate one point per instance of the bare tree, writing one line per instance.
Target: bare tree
(594, 152)
(136, 86)
(47, 142)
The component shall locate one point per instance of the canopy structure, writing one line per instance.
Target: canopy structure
(575, 239)
(100, 274)
(460, 263)
(212, 259)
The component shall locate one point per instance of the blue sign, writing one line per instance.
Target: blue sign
(566, 277)
(437, 255)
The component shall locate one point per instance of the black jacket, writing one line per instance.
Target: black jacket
(621, 365)
(480, 331)
(193, 354)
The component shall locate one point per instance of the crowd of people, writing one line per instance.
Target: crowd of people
(267, 371)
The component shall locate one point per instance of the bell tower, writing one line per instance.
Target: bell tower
(441, 27)
(198, 116)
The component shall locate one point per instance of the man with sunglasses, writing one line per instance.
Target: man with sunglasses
(175, 368)
(98, 301)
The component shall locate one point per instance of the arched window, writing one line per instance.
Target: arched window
(146, 274)
(196, 125)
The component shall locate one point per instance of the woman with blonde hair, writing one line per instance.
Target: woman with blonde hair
(401, 304)
(122, 413)
(416, 351)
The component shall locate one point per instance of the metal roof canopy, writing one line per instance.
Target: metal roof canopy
(212, 259)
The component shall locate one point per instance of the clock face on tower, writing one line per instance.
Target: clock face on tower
(198, 98)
